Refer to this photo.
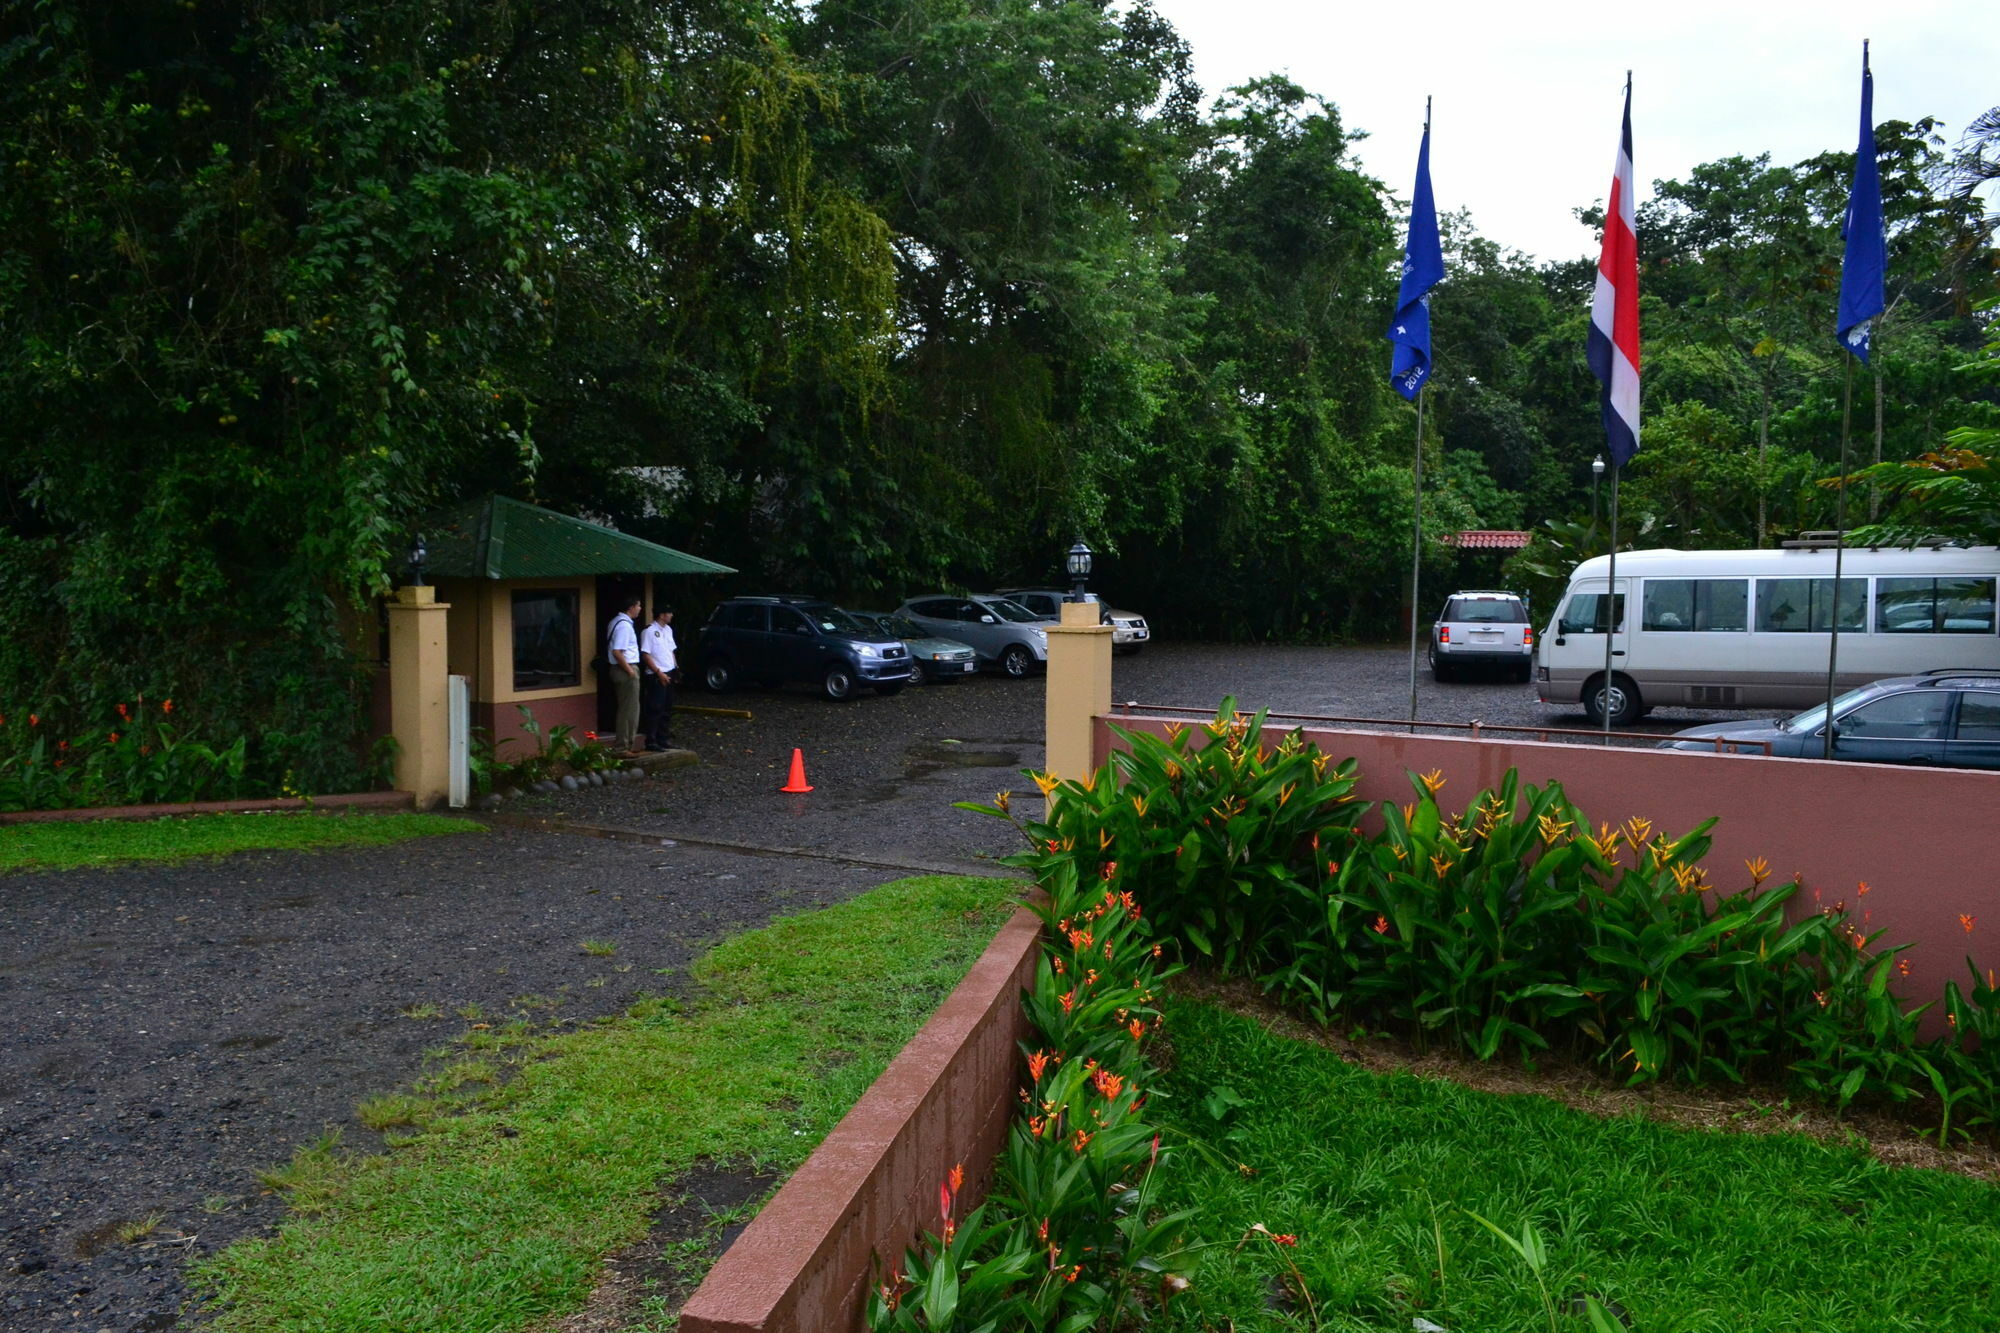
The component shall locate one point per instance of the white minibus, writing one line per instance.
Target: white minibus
(1750, 629)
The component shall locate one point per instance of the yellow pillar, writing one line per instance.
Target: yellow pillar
(1079, 687)
(417, 676)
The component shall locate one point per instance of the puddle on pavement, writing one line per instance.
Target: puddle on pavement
(927, 757)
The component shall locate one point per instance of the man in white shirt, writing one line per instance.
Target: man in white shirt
(658, 662)
(622, 659)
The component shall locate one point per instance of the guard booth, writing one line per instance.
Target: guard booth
(527, 594)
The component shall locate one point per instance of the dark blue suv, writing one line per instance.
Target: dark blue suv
(772, 640)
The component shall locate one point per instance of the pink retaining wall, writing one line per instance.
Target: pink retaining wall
(804, 1264)
(1923, 839)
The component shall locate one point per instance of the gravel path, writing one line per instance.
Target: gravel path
(174, 1030)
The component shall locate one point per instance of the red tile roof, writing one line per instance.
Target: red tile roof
(1489, 539)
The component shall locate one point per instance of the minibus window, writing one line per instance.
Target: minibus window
(1674, 605)
(1800, 605)
(1934, 606)
(1585, 614)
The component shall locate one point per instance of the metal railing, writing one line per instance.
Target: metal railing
(1131, 708)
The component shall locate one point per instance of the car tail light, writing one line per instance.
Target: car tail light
(1444, 634)
(1527, 638)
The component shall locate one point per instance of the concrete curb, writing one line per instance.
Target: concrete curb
(804, 1264)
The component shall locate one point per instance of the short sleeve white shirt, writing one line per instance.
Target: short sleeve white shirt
(657, 643)
(624, 643)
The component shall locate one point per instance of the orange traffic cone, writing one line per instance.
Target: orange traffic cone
(797, 785)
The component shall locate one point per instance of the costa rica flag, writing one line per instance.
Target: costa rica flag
(1614, 309)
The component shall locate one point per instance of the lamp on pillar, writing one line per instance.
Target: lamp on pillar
(1078, 561)
(418, 554)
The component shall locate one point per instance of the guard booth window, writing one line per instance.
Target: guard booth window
(545, 638)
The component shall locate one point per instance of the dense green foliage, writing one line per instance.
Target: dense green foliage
(858, 297)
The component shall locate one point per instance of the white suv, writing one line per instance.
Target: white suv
(1482, 629)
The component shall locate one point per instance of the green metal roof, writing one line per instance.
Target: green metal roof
(498, 538)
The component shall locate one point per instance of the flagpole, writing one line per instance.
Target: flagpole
(1417, 507)
(1839, 549)
(1863, 270)
(1611, 608)
(1416, 559)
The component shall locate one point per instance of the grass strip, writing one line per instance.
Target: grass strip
(1379, 1177)
(67, 846)
(496, 1207)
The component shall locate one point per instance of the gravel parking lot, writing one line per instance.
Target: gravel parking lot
(886, 771)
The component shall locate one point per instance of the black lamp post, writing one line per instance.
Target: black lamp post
(1078, 563)
(418, 554)
(1596, 475)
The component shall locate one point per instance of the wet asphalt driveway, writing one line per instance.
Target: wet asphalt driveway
(173, 1030)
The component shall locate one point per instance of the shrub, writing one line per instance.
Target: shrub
(141, 755)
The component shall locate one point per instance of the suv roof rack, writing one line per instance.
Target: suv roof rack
(1960, 671)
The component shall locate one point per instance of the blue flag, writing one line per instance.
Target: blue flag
(1423, 267)
(1864, 269)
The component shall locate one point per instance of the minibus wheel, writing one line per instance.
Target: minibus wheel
(1622, 700)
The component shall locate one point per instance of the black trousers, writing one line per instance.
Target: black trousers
(659, 714)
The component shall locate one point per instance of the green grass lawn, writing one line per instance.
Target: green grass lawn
(66, 846)
(506, 1190)
(1378, 1176)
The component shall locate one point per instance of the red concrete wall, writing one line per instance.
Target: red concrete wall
(804, 1264)
(503, 721)
(1923, 839)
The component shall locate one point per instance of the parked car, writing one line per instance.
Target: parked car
(933, 660)
(1003, 633)
(772, 640)
(1129, 632)
(1482, 629)
(1949, 717)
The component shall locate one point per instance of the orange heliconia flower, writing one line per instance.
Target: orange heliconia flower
(1136, 1028)
(1966, 921)
(1037, 1063)
(1862, 889)
(34, 719)
(1108, 1084)
(167, 707)
(1068, 1000)
(957, 1178)
(1282, 1238)
(1760, 870)
(1381, 924)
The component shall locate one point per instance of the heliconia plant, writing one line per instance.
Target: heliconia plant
(1514, 927)
(1072, 1236)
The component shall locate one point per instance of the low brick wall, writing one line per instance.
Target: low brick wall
(369, 800)
(804, 1264)
(1921, 838)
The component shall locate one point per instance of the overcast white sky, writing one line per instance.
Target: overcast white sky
(1526, 96)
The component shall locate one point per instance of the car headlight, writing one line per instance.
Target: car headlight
(868, 650)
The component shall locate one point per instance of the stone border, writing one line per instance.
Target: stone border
(804, 1264)
(369, 800)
